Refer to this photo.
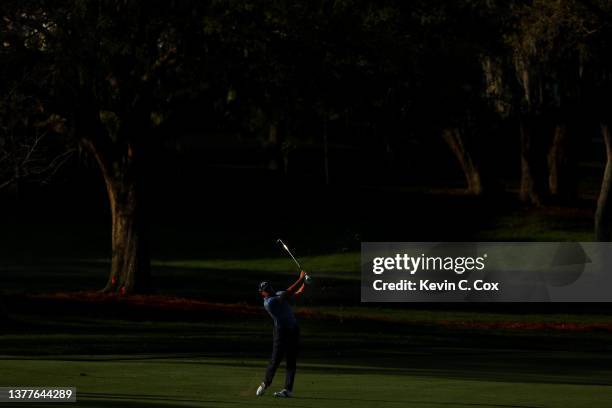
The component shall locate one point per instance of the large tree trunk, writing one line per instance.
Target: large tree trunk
(279, 156)
(603, 214)
(130, 265)
(471, 172)
(274, 147)
(531, 190)
(130, 261)
(561, 182)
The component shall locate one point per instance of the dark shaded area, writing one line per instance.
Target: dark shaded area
(222, 126)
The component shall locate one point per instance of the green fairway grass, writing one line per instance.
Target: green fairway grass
(341, 265)
(217, 360)
(201, 339)
(132, 381)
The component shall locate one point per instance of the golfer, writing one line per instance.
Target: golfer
(286, 333)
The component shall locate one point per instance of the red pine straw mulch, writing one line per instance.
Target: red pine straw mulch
(149, 301)
(169, 303)
(509, 325)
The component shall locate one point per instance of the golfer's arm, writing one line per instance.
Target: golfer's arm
(297, 285)
(300, 290)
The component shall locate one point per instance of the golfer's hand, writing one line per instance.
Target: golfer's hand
(302, 274)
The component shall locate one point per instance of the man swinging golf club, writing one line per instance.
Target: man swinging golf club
(286, 333)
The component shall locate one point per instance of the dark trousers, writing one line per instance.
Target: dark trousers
(285, 344)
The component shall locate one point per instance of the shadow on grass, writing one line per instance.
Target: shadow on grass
(158, 401)
(214, 285)
(140, 400)
(436, 403)
(144, 400)
(111, 401)
(495, 371)
(499, 369)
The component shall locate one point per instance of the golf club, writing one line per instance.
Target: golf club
(282, 244)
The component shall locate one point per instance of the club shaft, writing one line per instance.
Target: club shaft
(295, 260)
(286, 248)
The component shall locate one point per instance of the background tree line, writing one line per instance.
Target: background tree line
(115, 80)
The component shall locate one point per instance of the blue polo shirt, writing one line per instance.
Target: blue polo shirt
(280, 311)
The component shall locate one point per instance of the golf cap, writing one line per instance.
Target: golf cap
(266, 286)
